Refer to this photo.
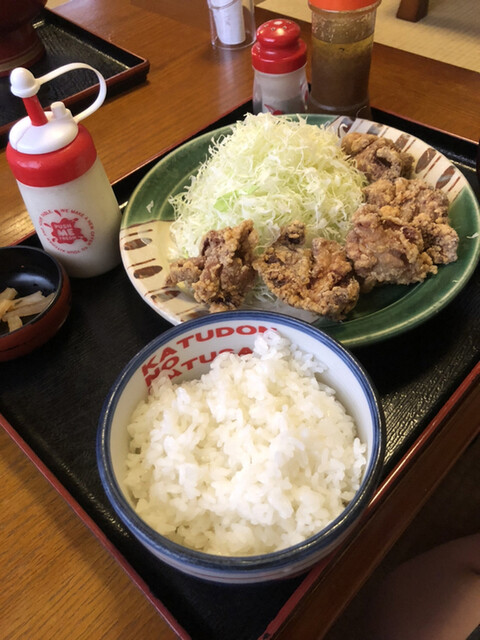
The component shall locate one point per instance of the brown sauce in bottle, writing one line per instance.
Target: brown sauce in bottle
(341, 78)
(342, 42)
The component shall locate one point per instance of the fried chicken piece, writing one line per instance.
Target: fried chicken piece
(353, 143)
(412, 197)
(186, 270)
(223, 273)
(334, 285)
(319, 279)
(377, 157)
(422, 206)
(386, 250)
(440, 240)
(285, 265)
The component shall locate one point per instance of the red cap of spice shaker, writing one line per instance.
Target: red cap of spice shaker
(279, 48)
(342, 5)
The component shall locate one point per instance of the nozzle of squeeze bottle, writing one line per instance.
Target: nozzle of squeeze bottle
(23, 84)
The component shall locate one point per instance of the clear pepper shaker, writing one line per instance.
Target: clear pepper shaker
(342, 41)
(232, 23)
(279, 57)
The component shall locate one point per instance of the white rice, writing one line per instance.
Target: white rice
(255, 456)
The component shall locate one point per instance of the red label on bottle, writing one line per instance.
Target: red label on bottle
(67, 230)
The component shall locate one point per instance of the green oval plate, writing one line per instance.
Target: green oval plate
(385, 312)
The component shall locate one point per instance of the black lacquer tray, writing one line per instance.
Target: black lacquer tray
(53, 397)
(66, 42)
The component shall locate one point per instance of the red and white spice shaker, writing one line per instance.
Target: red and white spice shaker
(61, 179)
(279, 57)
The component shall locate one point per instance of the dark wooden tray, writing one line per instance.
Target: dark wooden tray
(66, 42)
(51, 401)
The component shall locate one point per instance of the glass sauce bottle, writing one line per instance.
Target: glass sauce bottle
(342, 41)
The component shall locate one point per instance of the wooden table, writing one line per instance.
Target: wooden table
(58, 581)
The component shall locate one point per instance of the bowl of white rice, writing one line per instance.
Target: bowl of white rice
(241, 447)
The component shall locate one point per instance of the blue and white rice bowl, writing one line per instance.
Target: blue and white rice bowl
(188, 349)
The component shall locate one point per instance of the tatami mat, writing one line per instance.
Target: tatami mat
(449, 33)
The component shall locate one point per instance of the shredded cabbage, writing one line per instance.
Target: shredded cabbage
(272, 170)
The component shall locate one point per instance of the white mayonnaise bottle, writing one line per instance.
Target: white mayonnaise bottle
(62, 181)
